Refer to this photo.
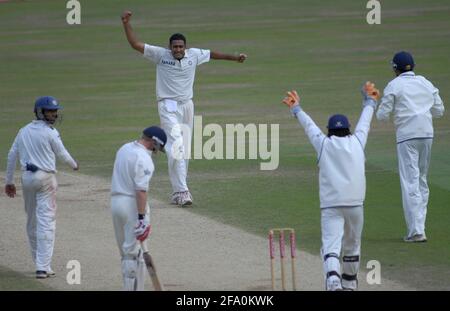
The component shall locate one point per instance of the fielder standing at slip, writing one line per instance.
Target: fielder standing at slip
(133, 169)
(414, 101)
(37, 145)
(175, 73)
(342, 184)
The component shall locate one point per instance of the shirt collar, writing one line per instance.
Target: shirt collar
(42, 122)
(139, 145)
(408, 73)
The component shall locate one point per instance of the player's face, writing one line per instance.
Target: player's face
(151, 146)
(177, 47)
(51, 115)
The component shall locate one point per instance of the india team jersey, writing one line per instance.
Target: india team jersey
(342, 180)
(174, 78)
(37, 143)
(133, 169)
(414, 101)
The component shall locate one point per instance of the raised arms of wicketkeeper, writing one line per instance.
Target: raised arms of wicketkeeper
(315, 135)
(371, 95)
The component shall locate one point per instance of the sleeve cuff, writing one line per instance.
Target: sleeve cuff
(370, 102)
(295, 110)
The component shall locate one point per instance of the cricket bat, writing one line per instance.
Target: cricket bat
(150, 264)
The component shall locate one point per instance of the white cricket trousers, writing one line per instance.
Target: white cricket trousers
(39, 193)
(341, 232)
(178, 126)
(413, 163)
(124, 213)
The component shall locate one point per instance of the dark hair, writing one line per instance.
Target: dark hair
(177, 36)
(339, 132)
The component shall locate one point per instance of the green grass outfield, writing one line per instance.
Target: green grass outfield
(325, 49)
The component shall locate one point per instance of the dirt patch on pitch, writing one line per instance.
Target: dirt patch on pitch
(192, 252)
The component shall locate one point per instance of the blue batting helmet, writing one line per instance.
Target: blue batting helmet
(157, 134)
(45, 103)
(403, 61)
(338, 121)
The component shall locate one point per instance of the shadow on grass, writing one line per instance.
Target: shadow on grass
(13, 281)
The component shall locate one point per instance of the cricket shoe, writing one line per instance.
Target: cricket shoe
(334, 284)
(185, 199)
(349, 285)
(40, 274)
(417, 238)
(175, 198)
(51, 273)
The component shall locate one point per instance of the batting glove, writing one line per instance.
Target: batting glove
(370, 94)
(292, 100)
(143, 228)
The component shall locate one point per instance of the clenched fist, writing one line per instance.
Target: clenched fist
(10, 190)
(126, 16)
(242, 58)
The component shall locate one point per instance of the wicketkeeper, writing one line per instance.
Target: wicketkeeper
(342, 186)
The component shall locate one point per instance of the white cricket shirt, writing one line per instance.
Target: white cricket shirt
(341, 161)
(37, 143)
(133, 169)
(414, 101)
(174, 78)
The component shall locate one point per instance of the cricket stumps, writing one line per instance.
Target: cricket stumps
(282, 245)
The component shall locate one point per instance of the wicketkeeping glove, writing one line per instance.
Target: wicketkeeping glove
(292, 100)
(143, 228)
(370, 94)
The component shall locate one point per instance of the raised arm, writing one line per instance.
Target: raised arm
(131, 37)
(315, 135)
(371, 95)
(237, 58)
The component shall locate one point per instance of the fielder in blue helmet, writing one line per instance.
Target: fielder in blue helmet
(403, 62)
(413, 101)
(46, 109)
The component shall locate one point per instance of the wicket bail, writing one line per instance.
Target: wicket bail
(282, 243)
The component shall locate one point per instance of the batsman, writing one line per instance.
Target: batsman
(38, 145)
(133, 169)
(342, 186)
